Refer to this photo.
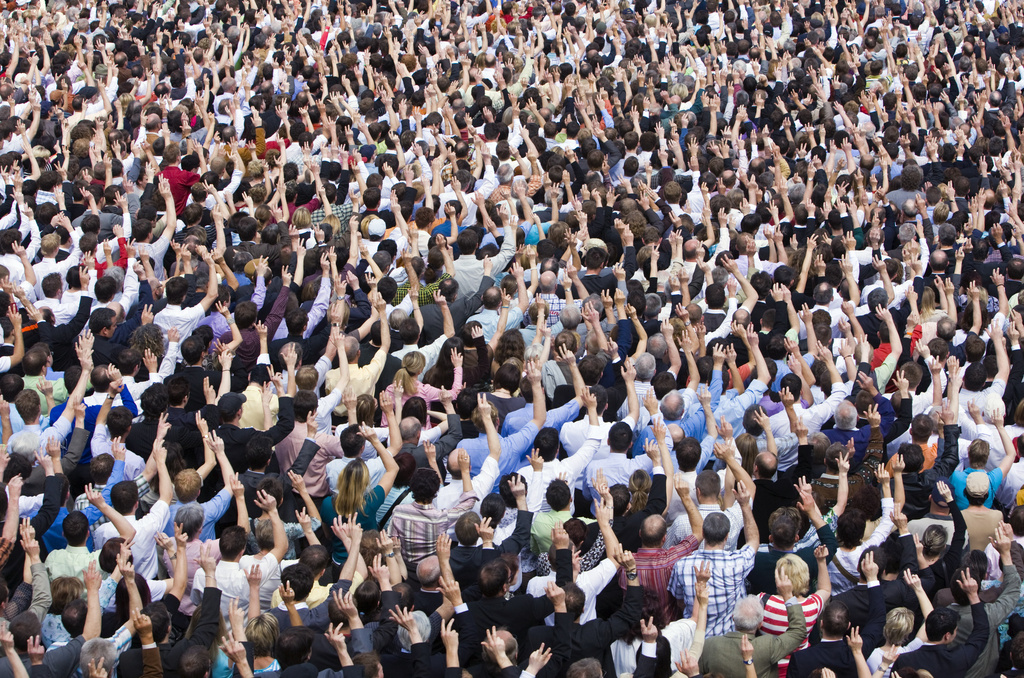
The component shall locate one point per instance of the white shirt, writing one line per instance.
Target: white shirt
(571, 468)
(232, 584)
(335, 467)
(144, 546)
(591, 582)
(483, 484)
(184, 319)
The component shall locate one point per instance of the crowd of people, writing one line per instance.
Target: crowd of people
(531, 338)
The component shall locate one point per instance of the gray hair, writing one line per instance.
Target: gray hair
(410, 428)
(748, 614)
(719, 275)
(645, 367)
(672, 405)
(99, 649)
(846, 416)
(422, 623)
(654, 305)
(191, 518)
(657, 346)
(505, 175)
(397, 317)
(570, 317)
(25, 443)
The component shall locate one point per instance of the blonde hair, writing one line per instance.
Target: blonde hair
(413, 365)
(639, 489)
(63, 590)
(796, 570)
(747, 446)
(262, 632)
(353, 482)
(899, 624)
(301, 218)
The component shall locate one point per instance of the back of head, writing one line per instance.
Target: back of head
(716, 530)
(195, 662)
(294, 646)
(748, 614)
(835, 620)
(940, 621)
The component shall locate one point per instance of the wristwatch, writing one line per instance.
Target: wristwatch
(748, 662)
(631, 576)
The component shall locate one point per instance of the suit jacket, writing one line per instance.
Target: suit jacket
(106, 352)
(835, 654)
(461, 309)
(194, 375)
(627, 528)
(252, 479)
(466, 561)
(722, 655)
(943, 660)
(235, 439)
(896, 591)
(594, 639)
(206, 631)
(519, 614)
(62, 337)
(442, 448)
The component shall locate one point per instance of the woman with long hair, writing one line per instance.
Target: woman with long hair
(355, 498)
(407, 380)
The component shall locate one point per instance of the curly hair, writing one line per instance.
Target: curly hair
(148, 337)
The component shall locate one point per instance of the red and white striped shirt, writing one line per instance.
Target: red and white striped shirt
(776, 621)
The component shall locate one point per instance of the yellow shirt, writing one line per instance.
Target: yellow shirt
(252, 408)
(361, 380)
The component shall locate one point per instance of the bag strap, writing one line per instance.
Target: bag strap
(843, 571)
(391, 509)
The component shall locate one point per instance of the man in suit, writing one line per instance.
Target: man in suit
(410, 429)
(722, 654)
(594, 639)
(893, 558)
(102, 324)
(467, 557)
(258, 455)
(461, 307)
(784, 527)
(61, 338)
(833, 652)
(938, 655)
(229, 410)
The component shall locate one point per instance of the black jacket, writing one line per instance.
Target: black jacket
(206, 631)
(836, 654)
(466, 561)
(944, 660)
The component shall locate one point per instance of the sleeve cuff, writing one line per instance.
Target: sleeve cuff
(873, 584)
(462, 608)
(649, 650)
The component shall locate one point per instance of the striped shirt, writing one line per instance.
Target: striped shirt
(776, 621)
(729, 570)
(418, 526)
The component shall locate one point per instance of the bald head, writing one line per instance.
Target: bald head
(409, 428)
(548, 282)
(429, 572)
(653, 531)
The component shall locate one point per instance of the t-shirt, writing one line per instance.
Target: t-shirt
(980, 526)
(776, 621)
(367, 518)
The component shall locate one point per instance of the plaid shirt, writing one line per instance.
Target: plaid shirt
(343, 212)
(426, 295)
(729, 570)
(655, 569)
(556, 305)
(418, 526)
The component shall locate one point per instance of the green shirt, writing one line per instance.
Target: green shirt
(60, 392)
(543, 523)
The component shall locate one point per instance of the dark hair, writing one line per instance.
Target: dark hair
(300, 578)
(294, 645)
(558, 495)
(424, 484)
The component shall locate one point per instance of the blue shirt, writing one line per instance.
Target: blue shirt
(556, 418)
(958, 480)
(91, 413)
(514, 449)
(213, 510)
